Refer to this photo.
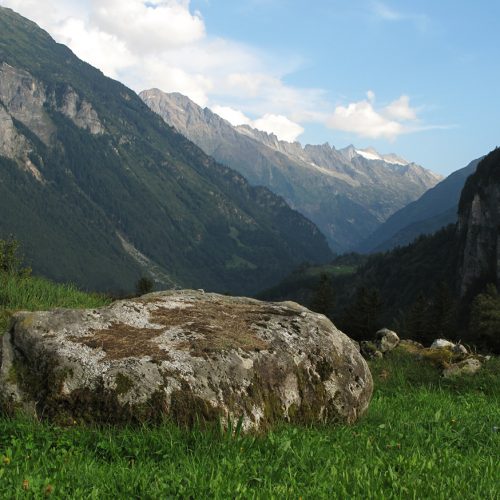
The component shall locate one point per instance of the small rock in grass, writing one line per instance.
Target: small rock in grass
(386, 340)
(411, 344)
(467, 367)
(459, 349)
(442, 344)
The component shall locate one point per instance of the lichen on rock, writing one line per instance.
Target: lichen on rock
(188, 356)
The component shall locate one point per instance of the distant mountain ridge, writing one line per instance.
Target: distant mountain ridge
(346, 194)
(100, 191)
(434, 210)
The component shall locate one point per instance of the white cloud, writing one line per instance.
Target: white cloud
(400, 109)
(233, 116)
(155, 72)
(281, 126)
(363, 119)
(148, 26)
(164, 44)
(385, 12)
(105, 51)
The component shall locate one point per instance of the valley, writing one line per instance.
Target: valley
(202, 297)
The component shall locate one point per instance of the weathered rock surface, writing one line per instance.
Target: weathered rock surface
(386, 340)
(468, 366)
(369, 349)
(27, 100)
(442, 344)
(187, 355)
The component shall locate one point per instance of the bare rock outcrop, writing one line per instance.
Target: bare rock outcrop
(187, 355)
(25, 99)
(81, 112)
(479, 228)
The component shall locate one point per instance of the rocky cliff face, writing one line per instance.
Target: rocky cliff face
(26, 99)
(479, 227)
(348, 193)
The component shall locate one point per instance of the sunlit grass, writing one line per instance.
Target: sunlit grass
(33, 293)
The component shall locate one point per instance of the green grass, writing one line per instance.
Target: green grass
(32, 293)
(423, 437)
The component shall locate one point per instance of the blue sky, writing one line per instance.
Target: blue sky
(443, 54)
(420, 79)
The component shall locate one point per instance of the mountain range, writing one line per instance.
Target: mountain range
(435, 209)
(101, 191)
(348, 193)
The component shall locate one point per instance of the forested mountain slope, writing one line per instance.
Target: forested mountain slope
(99, 190)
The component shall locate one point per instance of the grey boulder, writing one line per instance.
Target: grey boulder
(386, 340)
(188, 356)
(468, 366)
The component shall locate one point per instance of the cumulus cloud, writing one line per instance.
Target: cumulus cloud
(165, 44)
(279, 125)
(233, 116)
(89, 44)
(362, 118)
(285, 129)
(400, 109)
(148, 26)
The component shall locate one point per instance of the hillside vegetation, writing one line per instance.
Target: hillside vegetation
(20, 291)
(101, 191)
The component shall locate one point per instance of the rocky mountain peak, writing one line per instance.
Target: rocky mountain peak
(346, 194)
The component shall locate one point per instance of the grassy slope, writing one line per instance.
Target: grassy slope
(34, 293)
(422, 437)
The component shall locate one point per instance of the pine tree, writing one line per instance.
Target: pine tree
(485, 318)
(144, 285)
(417, 324)
(10, 259)
(442, 314)
(361, 319)
(324, 297)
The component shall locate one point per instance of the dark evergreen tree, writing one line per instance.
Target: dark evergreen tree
(417, 324)
(485, 318)
(10, 258)
(324, 297)
(442, 315)
(361, 320)
(144, 285)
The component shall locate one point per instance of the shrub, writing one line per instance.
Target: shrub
(10, 260)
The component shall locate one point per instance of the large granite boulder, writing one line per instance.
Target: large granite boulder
(185, 355)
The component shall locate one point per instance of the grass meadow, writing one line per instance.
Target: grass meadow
(423, 437)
